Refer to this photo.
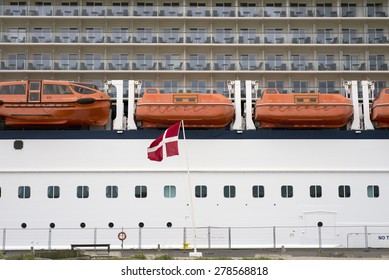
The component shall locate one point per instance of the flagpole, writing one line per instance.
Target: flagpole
(195, 254)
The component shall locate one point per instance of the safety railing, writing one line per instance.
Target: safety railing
(250, 10)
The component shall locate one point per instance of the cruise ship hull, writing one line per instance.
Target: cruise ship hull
(242, 159)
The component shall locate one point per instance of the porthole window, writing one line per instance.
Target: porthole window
(82, 191)
(53, 192)
(169, 224)
(140, 191)
(110, 225)
(23, 225)
(52, 225)
(169, 191)
(344, 191)
(111, 192)
(287, 191)
(141, 225)
(315, 191)
(201, 191)
(373, 191)
(229, 191)
(24, 192)
(258, 191)
(82, 225)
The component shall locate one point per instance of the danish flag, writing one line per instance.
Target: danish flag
(165, 145)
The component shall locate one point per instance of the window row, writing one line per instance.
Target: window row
(195, 62)
(169, 191)
(196, 9)
(175, 35)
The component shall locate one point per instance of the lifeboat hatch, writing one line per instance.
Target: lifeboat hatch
(185, 98)
(34, 92)
(306, 98)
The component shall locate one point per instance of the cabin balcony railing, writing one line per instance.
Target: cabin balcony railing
(324, 63)
(217, 37)
(292, 11)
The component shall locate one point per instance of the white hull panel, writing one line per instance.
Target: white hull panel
(239, 222)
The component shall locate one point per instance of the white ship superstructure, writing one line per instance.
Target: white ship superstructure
(248, 187)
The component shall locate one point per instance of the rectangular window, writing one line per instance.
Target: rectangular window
(258, 191)
(287, 191)
(140, 191)
(111, 192)
(315, 191)
(53, 192)
(169, 191)
(82, 191)
(24, 192)
(16, 61)
(201, 191)
(344, 191)
(229, 191)
(373, 191)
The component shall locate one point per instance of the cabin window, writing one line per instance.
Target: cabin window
(140, 191)
(287, 191)
(258, 191)
(373, 191)
(111, 192)
(169, 191)
(315, 191)
(82, 191)
(0, 192)
(56, 89)
(229, 191)
(201, 191)
(24, 192)
(53, 192)
(83, 90)
(13, 89)
(344, 191)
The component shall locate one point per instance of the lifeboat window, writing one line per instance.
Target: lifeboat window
(229, 191)
(53, 192)
(373, 191)
(13, 89)
(387, 91)
(344, 191)
(287, 191)
(111, 192)
(258, 191)
(140, 191)
(24, 192)
(82, 191)
(56, 89)
(83, 90)
(201, 191)
(315, 191)
(150, 90)
(169, 191)
(271, 91)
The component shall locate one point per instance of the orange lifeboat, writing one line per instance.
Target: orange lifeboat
(302, 110)
(52, 103)
(380, 109)
(198, 110)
